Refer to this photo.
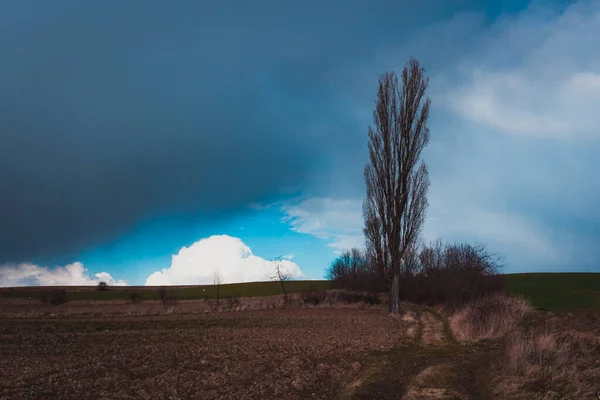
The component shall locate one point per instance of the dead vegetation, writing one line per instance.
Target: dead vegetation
(488, 317)
(446, 274)
(542, 355)
(495, 348)
(426, 364)
(549, 363)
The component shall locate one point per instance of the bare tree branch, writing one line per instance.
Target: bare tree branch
(281, 275)
(217, 279)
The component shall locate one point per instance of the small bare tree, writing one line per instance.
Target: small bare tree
(162, 293)
(166, 300)
(282, 276)
(217, 279)
(396, 180)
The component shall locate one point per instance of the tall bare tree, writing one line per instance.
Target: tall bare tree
(217, 282)
(397, 180)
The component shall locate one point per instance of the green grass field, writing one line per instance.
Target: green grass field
(557, 291)
(250, 289)
(547, 291)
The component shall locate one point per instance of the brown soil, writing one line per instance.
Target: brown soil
(120, 351)
(426, 365)
(280, 354)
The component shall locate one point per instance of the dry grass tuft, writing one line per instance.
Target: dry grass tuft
(552, 365)
(488, 317)
(409, 316)
(547, 361)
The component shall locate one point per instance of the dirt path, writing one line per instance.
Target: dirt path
(433, 332)
(427, 364)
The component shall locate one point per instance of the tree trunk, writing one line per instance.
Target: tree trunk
(285, 296)
(394, 295)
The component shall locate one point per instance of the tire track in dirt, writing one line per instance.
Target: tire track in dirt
(427, 364)
(412, 323)
(432, 382)
(433, 331)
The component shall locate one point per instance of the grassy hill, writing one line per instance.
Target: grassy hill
(557, 291)
(548, 291)
(249, 289)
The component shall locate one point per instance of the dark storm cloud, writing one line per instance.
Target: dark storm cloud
(115, 112)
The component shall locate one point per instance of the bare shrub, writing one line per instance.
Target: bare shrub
(448, 274)
(232, 302)
(550, 364)
(282, 276)
(217, 279)
(351, 297)
(162, 292)
(134, 296)
(168, 302)
(453, 275)
(311, 297)
(350, 270)
(358, 297)
(102, 287)
(489, 317)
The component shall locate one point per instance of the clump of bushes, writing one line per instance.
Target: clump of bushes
(489, 317)
(102, 287)
(310, 297)
(345, 296)
(352, 271)
(449, 274)
(453, 274)
(315, 298)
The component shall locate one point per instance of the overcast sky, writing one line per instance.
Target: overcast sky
(156, 142)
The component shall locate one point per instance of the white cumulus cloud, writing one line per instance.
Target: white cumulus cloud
(230, 256)
(74, 274)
